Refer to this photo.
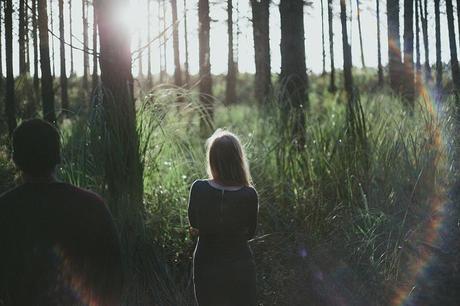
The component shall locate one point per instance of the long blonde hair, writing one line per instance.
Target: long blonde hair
(226, 159)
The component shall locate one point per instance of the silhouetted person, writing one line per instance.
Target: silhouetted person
(58, 243)
(223, 212)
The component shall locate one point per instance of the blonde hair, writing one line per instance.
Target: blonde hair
(226, 159)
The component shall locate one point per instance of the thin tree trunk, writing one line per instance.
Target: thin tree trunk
(230, 92)
(458, 17)
(84, 12)
(322, 38)
(139, 55)
(358, 14)
(418, 65)
(261, 32)
(186, 65)
(394, 45)
(95, 79)
(453, 51)
(1, 49)
(35, 47)
(176, 47)
(409, 88)
(205, 66)
(332, 86)
(437, 15)
(424, 17)
(10, 99)
(53, 53)
(71, 38)
(379, 46)
(46, 79)
(63, 78)
(22, 38)
(149, 48)
(165, 40)
(347, 59)
(160, 42)
(293, 77)
(26, 18)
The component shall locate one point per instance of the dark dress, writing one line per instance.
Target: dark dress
(223, 267)
(58, 247)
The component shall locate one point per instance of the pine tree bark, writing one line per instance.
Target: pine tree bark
(347, 59)
(379, 46)
(453, 51)
(63, 78)
(394, 45)
(293, 77)
(418, 63)
(22, 38)
(205, 66)
(437, 15)
(330, 12)
(84, 11)
(176, 47)
(358, 14)
(123, 169)
(186, 64)
(95, 77)
(47, 91)
(261, 32)
(426, 44)
(230, 90)
(36, 80)
(53, 54)
(322, 38)
(10, 99)
(72, 71)
(409, 88)
(149, 48)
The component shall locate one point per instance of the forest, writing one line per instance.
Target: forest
(349, 111)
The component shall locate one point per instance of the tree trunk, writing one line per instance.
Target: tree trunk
(139, 55)
(72, 71)
(1, 49)
(379, 46)
(160, 42)
(186, 64)
(35, 47)
(207, 116)
(409, 88)
(394, 45)
(123, 171)
(358, 14)
(84, 12)
(26, 18)
(322, 38)
(437, 15)
(418, 65)
(330, 12)
(22, 38)
(95, 79)
(458, 17)
(424, 17)
(149, 48)
(293, 77)
(261, 32)
(46, 79)
(177, 68)
(347, 59)
(53, 54)
(453, 51)
(10, 100)
(230, 92)
(165, 40)
(63, 79)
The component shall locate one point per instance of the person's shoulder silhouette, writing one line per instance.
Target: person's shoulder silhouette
(58, 243)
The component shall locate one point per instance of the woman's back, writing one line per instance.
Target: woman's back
(226, 219)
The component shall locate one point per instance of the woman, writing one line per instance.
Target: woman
(223, 212)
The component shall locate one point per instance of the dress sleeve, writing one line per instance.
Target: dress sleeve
(252, 215)
(192, 207)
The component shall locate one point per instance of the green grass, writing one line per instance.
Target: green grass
(341, 203)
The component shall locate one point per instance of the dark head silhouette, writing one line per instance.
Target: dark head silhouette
(36, 148)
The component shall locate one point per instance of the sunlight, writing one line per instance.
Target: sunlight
(132, 16)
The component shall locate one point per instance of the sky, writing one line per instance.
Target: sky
(134, 16)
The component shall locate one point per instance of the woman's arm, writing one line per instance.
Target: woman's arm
(253, 214)
(192, 210)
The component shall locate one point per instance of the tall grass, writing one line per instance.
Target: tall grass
(334, 205)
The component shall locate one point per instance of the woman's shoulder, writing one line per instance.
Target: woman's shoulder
(198, 184)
